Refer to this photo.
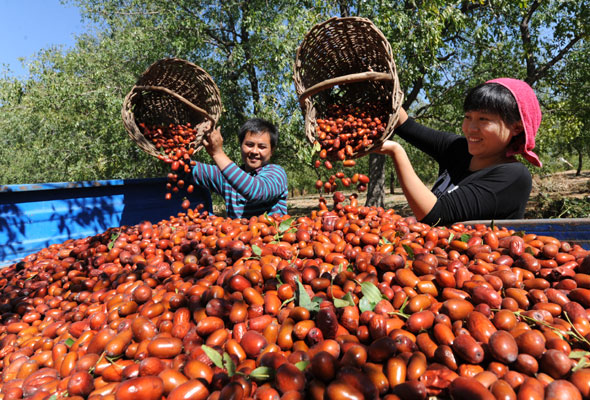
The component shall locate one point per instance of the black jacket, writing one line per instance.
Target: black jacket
(497, 192)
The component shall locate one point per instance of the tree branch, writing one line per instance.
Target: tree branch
(249, 62)
(446, 57)
(344, 7)
(540, 72)
(525, 35)
(417, 86)
(215, 35)
(467, 6)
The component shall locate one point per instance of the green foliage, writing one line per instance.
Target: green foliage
(548, 207)
(371, 297)
(64, 123)
(304, 300)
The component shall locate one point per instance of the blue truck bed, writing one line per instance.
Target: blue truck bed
(35, 216)
(574, 230)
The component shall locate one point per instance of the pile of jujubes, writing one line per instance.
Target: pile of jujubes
(347, 130)
(174, 144)
(350, 302)
(342, 134)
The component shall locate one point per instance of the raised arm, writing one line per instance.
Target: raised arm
(420, 199)
(213, 143)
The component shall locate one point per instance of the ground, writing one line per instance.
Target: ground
(563, 184)
(545, 189)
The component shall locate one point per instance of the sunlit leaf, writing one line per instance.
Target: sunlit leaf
(345, 301)
(213, 355)
(261, 373)
(256, 250)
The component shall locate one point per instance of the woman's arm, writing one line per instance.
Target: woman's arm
(420, 199)
(402, 118)
(433, 142)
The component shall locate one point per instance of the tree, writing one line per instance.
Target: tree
(64, 122)
(571, 84)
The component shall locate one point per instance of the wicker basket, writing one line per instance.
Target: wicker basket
(346, 61)
(172, 91)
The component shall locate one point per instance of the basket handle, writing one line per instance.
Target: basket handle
(351, 78)
(178, 97)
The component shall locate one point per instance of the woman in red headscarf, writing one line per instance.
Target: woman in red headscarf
(479, 177)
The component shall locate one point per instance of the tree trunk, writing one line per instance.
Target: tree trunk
(391, 182)
(250, 69)
(580, 158)
(376, 190)
(344, 6)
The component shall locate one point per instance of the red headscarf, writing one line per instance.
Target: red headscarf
(530, 114)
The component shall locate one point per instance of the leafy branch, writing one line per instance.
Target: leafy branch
(59, 395)
(282, 228)
(409, 250)
(111, 360)
(114, 237)
(533, 321)
(401, 312)
(346, 300)
(226, 363)
(304, 300)
(572, 332)
(221, 361)
(257, 251)
(575, 332)
(582, 357)
(371, 296)
(465, 237)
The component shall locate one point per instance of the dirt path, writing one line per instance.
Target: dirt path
(564, 183)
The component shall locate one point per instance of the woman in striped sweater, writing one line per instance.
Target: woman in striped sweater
(255, 187)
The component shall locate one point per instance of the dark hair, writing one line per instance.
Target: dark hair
(495, 98)
(259, 125)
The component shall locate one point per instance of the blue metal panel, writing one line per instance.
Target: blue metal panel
(573, 230)
(34, 216)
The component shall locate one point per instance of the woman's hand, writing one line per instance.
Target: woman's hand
(420, 198)
(387, 147)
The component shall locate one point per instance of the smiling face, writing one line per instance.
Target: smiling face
(488, 137)
(256, 150)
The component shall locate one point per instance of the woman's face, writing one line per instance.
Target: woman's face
(488, 136)
(256, 150)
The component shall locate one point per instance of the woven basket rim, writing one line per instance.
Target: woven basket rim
(179, 101)
(307, 95)
(299, 87)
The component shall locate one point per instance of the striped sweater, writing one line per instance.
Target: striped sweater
(246, 194)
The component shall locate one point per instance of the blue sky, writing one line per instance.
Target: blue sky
(27, 26)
